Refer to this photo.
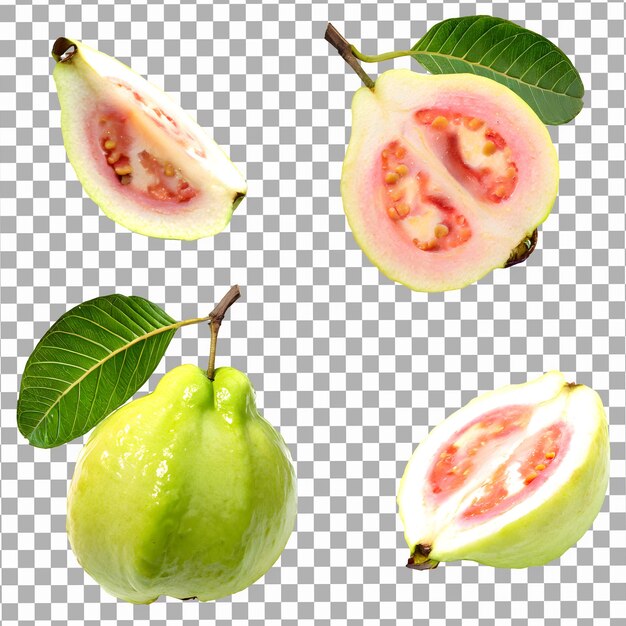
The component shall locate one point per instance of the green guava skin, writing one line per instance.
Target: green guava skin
(186, 492)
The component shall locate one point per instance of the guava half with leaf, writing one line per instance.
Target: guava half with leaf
(138, 155)
(513, 479)
(446, 177)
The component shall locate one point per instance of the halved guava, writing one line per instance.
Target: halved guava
(138, 155)
(446, 177)
(512, 479)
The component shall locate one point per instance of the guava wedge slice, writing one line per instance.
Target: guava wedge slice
(138, 155)
(512, 479)
(446, 177)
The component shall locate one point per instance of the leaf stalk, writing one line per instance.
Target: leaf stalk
(378, 58)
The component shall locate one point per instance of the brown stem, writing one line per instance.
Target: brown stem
(419, 558)
(335, 39)
(216, 316)
(523, 250)
(63, 50)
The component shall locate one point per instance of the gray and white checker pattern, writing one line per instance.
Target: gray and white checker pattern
(352, 368)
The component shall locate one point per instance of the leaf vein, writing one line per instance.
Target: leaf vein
(119, 321)
(506, 76)
(81, 354)
(58, 363)
(512, 37)
(95, 393)
(445, 41)
(513, 62)
(108, 330)
(543, 56)
(82, 337)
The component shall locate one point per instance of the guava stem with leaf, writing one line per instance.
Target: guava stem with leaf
(351, 55)
(216, 316)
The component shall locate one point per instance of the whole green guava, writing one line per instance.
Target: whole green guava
(186, 492)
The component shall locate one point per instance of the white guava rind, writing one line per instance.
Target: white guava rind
(545, 529)
(82, 82)
(380, 115)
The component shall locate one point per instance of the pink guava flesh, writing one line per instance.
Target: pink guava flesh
(119, 153)
(527, 462)
(409, 198)
(493, 183)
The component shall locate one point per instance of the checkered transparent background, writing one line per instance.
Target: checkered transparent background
(352, 368)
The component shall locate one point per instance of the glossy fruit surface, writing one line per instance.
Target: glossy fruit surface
(138, 155)
(186, 492)
(444, 177)
(512, 479)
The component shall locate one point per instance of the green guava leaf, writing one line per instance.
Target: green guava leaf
(533, 67)
(95, 357)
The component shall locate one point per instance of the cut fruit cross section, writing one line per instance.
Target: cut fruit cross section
(444, 177)
(138, 155)
(512, 479)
